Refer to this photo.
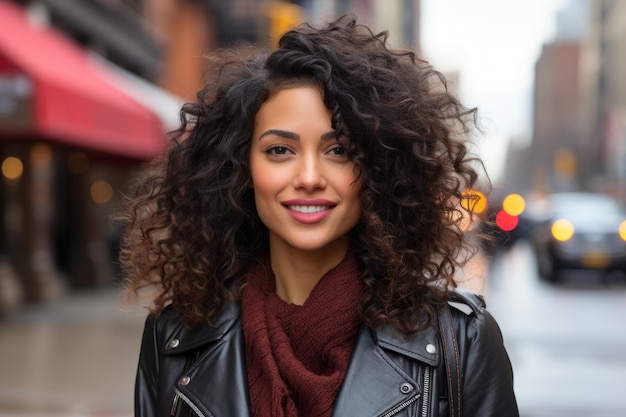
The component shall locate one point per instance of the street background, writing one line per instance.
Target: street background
(88, 90)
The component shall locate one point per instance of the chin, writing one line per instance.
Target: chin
(311, 245)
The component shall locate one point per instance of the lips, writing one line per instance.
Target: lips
(309, 211)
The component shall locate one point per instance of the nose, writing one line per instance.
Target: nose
(310, 175)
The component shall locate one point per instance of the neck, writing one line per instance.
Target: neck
(297, 271)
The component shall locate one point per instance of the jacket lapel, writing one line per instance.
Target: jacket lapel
(374, 383)
(216, 383)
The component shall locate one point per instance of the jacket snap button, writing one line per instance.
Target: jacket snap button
(406, 388)
(184, 380)
(430, 348)
(173, 343)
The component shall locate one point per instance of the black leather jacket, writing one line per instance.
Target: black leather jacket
(388, 375)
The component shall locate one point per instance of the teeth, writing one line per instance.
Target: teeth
(308, 209)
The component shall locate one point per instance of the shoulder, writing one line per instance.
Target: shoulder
(472, 320)
(483, 358)
(172, 337)
(467, 302)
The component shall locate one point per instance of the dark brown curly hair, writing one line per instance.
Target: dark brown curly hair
(192, 230)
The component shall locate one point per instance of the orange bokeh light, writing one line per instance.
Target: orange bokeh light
(474, 201)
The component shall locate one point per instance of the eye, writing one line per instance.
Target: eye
(277, 150)
(337, 150)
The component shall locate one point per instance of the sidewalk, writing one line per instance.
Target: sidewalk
(72, 358)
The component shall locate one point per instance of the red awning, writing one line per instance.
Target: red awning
(51, 89)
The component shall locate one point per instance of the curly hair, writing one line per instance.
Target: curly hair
(192, 230)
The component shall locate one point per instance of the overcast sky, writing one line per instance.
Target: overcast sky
(494, 44)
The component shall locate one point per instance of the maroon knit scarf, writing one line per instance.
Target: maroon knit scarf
(297, 356)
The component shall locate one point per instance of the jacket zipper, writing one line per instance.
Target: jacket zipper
(191, 405)
(426, 391)
(401, 407)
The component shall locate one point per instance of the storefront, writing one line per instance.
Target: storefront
(69, 141)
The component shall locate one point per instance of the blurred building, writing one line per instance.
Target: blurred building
(579, 137)
(556, 117)
(69, 140)
(556, 147)
(604, 88)
(191, 28)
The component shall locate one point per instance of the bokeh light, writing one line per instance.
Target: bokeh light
(474, 201)
(101, 192)
(12, 168)
(514, 204)
(41, 154)
(505, 221)
(562, 230)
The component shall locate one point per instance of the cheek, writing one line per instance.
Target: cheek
(262, 180)
(265, 187)
(261, 204)
(256, 170)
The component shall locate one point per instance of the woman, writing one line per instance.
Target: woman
(302, 234)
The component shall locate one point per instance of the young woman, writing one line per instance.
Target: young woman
(301, 236)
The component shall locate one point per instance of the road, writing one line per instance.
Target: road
(567, 343)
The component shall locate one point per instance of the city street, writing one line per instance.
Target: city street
(513, 111)
(73, 358)
(77, 358)
(566, 342)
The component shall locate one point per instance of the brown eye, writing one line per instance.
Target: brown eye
(277, 150)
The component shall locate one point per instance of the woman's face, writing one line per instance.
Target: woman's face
(305, 188)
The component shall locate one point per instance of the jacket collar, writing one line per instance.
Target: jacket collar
(374, 383)
(183, 340)
(422, 346)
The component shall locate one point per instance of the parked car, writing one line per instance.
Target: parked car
(580, 231)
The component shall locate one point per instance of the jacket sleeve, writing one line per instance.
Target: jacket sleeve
(146, 383)
(488, 376)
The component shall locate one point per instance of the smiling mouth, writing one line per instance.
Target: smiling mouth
(308, 209)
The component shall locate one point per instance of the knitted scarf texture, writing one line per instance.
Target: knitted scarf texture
(297, 356)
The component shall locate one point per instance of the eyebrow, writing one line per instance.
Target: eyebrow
(294, 136)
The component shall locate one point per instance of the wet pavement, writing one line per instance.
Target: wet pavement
(73, 358)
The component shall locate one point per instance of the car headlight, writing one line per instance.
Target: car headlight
(562, 230)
